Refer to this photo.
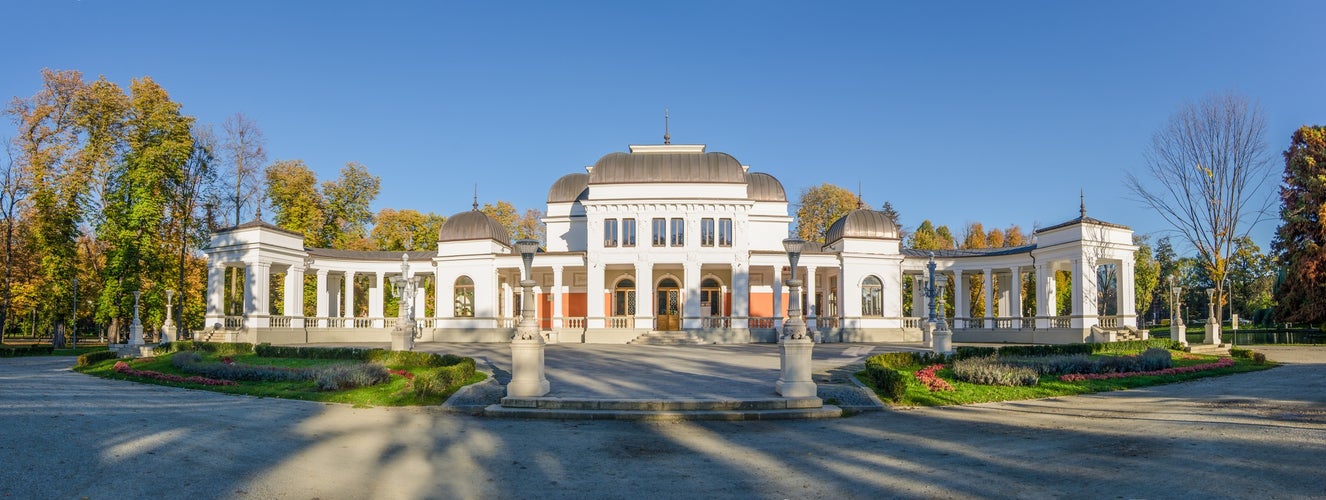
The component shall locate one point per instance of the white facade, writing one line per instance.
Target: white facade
(670, 238)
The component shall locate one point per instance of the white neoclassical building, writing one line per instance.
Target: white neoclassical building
(669, 241)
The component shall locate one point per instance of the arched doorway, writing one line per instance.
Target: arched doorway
(668, 302)
(711, 298)
(623, 298)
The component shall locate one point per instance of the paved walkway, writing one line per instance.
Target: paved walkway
(1257, 435)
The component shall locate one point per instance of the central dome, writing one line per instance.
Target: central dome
(862, 223)
(632, 168)
(473, 225)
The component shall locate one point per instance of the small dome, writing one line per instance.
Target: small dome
(624, 168)
(473, 225)
(862, 223)
(570, 187)
(764, 187)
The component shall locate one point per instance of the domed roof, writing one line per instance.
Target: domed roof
(862, 223)
(570, 187)
(764, 187)
(473, 225)
(623, 168)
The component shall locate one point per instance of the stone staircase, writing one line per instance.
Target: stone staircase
(663, 409)
(667, 338)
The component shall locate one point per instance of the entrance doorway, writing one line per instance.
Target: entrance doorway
(668, 302)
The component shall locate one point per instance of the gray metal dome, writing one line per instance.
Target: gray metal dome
(473, 225)
(622, 168)
(570, 187)
(862, 223)
(764, 187)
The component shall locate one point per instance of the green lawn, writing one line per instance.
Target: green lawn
(1050, 385)
(395, 392)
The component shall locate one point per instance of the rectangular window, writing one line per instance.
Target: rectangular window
(609, 232)
(628, 232)
(706, 232)
(678, 232)
(724, 232)
(660, 232)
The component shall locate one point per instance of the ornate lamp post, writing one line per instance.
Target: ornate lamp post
(136, 329)
(527, 374)
(796, 348)
(1212, 324)
(1177, 331)
(941, 338)
(406, 286)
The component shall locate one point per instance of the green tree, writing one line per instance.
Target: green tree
(1146, 275)
(819, 207)
(504, 213)
(394, 228)
(296, 200)
(158, 145)
(347, 216)
(1300, 241)
(1251, 278)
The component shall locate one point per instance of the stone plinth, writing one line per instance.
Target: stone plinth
(168, 332)
(927, 333)
(795, 381)
(136, 334)
(527, 375)
(1179, 333)
(943, 340)
(402, 338)
(1212, 333)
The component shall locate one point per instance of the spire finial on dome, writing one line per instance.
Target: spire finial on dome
(667, 137)
(476, 197)
(1082, 195)
(860, 202)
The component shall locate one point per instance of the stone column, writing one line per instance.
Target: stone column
(644, 295)
(1127, 306)
(257, 277)
(811, 306)
(987, 289)
(376, 298)
(920, 308)
(557, 293)
(508, 301)
(1046, 296)
(1085, 311)
(961, 299)
(690, 314)
(740, 296)
(778, 299)
(294, 292)
(348, 310)
(1015, 296)
(323, 303)
(216, 285)
(594, 306)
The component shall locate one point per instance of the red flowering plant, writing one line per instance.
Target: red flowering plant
(403, 373)
(1078, 377)
(930, 379)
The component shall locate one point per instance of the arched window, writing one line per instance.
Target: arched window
(711, 297)
(872, 297)
(464, 297)
(623, 298)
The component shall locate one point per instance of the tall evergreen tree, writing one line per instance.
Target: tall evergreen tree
(1300, 241)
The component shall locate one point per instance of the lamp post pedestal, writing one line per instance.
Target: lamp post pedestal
(1212, 324)
(136, 328)
(928, 333)
(527, 369)
(168, 330)
(794, 380)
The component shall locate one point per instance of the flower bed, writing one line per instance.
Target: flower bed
(1078, 377)
(123, 368)
(929, 378)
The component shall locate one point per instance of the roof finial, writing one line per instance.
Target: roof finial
(860, 202)
(1082, 194)
(667, 137)
(476, 197)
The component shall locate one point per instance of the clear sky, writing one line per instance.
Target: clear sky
(993, 112)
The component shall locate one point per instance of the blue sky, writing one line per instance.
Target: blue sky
(994, 112)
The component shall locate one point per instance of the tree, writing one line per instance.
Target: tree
(893, 216)
(928, 237)
(347, 216)
(14, 188)
(504, 213)
(1146, 275)
(1251, 278)
(1300, 241)
(243, 147)
(530, 225)
(1206, 166)
(187, 224)
(819, 207)
(296, 201)
(394, 228)
(1014, 237)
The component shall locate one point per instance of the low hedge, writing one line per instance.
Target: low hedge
(439, 379)
(95, 356)
(1131, 346)
(14, 351)
(889, 384)
(218, 348)
(1255, 356)
(397, 359)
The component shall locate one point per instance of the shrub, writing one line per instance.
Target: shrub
(1258, 358)
(1132, 346)
(929, 377)
(123, 368)
(95, 356)
(1151, 359)
(892, 359)
(887, 383)
(27, 350)
(341, 377)
(989, 371)
(218, 348)
(347, 353)
(1077, 377)
(1045, 350)
(438, 380)
(966, 352)
(191, 362)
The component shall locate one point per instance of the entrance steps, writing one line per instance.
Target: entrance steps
(667, 338)
(663, 409)
(1210, 349)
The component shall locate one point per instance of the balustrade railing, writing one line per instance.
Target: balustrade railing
(827, 322)
(766, 323)
(233, 322)
(279, 321)
(573, 323)
(716, 322)
(620, 321)
(911, 322)
(1109, 321)
(1061, 322)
